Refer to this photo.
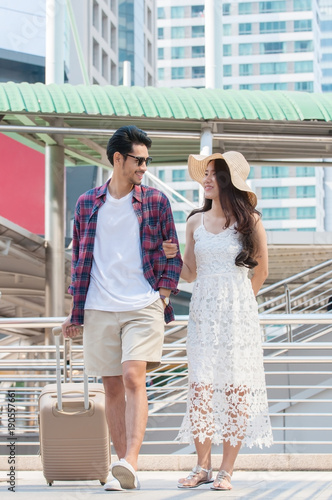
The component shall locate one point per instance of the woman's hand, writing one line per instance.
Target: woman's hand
(170, 249)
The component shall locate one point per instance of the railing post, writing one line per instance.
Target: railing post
(288, 311)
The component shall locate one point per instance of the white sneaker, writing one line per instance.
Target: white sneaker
(113, 485)
(126, 474)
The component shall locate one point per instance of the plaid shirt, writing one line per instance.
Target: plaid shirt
(156, 223)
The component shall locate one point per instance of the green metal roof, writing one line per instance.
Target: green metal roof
(165, 103)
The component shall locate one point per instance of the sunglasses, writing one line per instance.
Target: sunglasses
(141, 159)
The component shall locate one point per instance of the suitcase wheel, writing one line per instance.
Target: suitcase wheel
(49, 483)
(102, 483)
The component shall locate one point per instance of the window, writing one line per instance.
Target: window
(227, 70)
(227, 29)
(305, 171)
(161, 175)
(303, 25)
(227, 87)
(245, 69)
(160, 73)
(226, 9)
(306, 229)
(160, 33)
(270, 172)
(227, 50)
(278, 6)
(197, 11)
(182, 192)
(198, 72)
(246, 87)
(272, 27)
(177, 12)
(161, 13)
(178, 32)
(177, 73)
(197, 31)
(95, 15)
(325, 26)
(327, 72)
(301, 5)
(177, 53)
(327, 87)
(245, 49)
(195, 195)
(160, 53)
(306, 213)
(273, 68)
(275, 193)
(303, 67)
(251, 173)
(305, 191)
(304, 86)
(273, 86)
(244, 28)
(326, 42)
(179, 216)
(303, 46)
(178, 175)
(244, 8)
(275, 213)
(95, 54)
(326, 57)
(198, 51)
(272, 48)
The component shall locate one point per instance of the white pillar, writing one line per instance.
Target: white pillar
(127, 73)
(54, 63)
(213, 44)
(205, 149)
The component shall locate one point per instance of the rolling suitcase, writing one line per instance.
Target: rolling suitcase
(73, 432)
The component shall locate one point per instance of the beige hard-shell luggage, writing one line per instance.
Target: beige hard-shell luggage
(73, 432)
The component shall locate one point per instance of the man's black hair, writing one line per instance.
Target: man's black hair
(124, 138)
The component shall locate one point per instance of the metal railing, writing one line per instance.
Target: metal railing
(298, 374)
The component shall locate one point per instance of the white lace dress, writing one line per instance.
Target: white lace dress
(227, 392)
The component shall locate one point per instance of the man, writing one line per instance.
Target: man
(121, 283)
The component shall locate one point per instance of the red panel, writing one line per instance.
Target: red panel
(22, 185)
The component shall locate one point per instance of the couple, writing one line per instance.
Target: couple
(122, 278)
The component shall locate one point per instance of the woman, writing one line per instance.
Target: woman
(225, 239)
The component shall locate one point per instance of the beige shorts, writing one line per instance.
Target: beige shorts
(110, 338)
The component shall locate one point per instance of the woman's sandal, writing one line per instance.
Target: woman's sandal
(222, 477)
(194, 474)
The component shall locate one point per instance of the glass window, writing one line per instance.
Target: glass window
(245, 69)
(161, 13)
(327, 87)
(304, 46)
(195, 195)
(273, 86)
(278, 6)
(226, 9)
(197, 31)
(274, 172)
(303, 25)
(198, 72)
(305, 191)
(251, 173)
(272, 27)
(327, 72)
(227, 50)
(272, 47)
(306, 229)
(245, 49)
(305, 171)
(275, 213)
(198, 51)
(177, 12)
(197, 11)
(306, 213)
(246, 86)
(326, 57)
(227, 29)
(227, 70)
(301, 5)
(326, 42)
(325, 26)
(160, 53)
(244, 28)
(178, 32)
(179, 216)
(275, 193)
(273, 68)
(160, 73)
(161, 175)
(227, 87)
(304, 86)
(303, 66)
(177, 53)
(177, 73)
(178, 175)
(160, 33)
(245, 8)
(182, 192)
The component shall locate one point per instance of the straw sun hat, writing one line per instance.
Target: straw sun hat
(238, 167)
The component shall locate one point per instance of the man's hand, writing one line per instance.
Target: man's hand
(69, 330)
(170, 249)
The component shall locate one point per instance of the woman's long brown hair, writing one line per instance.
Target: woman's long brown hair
(237, 203)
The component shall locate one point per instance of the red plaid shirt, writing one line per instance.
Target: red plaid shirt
(156, 223)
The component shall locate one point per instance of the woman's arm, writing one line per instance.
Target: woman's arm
(261, 271)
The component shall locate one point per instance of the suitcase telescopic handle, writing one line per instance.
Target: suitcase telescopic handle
(56, 332)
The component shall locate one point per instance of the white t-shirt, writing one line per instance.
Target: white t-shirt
(117, 282)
